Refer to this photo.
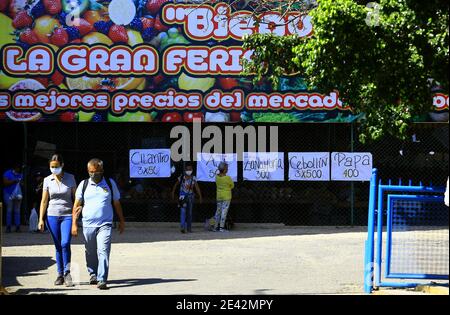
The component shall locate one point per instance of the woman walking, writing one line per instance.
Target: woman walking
(58, 194)
(224, 185)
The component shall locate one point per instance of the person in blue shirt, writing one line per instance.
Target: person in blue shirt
(187, 183)
(12, 178)
(94, 199)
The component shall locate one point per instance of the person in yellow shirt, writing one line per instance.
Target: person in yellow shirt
(224, 185)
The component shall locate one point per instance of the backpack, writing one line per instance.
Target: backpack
(86, 183)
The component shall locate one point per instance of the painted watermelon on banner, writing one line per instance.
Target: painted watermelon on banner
(27, 84)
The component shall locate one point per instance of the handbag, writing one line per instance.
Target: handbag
(34, 220)
(182, 201)
(16, 193)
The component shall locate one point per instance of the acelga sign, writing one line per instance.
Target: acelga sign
(164, 61)
(208, 163)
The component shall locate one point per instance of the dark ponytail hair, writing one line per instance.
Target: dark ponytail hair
(57, 157)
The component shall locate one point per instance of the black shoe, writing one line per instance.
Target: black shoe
(68, 280)
(183, 231)
(18, 229)
(59, 280)
(93, 280)
(102, 285)
(8, 229)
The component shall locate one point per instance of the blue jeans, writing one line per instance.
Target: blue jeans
(12, 206)
(60, 229)
(98, 248)
(186, 213)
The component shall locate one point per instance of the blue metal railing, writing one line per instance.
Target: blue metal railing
(374, 252)
(369, 248)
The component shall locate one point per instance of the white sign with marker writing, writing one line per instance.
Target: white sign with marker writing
(309, 166)
(263, 166)
(150, 163)
(351, 166)
(208, 163)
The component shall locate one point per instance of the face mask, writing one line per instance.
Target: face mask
(56, 170)
(188, 173)
(96, 177)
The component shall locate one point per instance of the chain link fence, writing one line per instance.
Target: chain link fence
(424, 157)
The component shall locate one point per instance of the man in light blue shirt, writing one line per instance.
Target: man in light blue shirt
(95, 198)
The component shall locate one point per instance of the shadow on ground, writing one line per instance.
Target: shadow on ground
(14, 267)
(122, 283)
(85, 286)
(163, 233)
(42, 291)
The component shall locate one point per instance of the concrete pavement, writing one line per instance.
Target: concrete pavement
(158, 259)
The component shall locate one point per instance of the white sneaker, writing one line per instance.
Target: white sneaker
(223, 230)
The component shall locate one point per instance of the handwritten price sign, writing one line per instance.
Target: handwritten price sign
(263, 166)
(153, 163)
(351, 166)
(309, 166)
(207, 164)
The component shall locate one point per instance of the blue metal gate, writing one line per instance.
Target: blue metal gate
(416, 231)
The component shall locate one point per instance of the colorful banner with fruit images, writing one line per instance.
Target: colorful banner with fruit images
(150, 60)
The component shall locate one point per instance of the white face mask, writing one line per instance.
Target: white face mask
(56, 170)
(188, 173)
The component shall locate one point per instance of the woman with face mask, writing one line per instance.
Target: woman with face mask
(187, 183)
(58, 194)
